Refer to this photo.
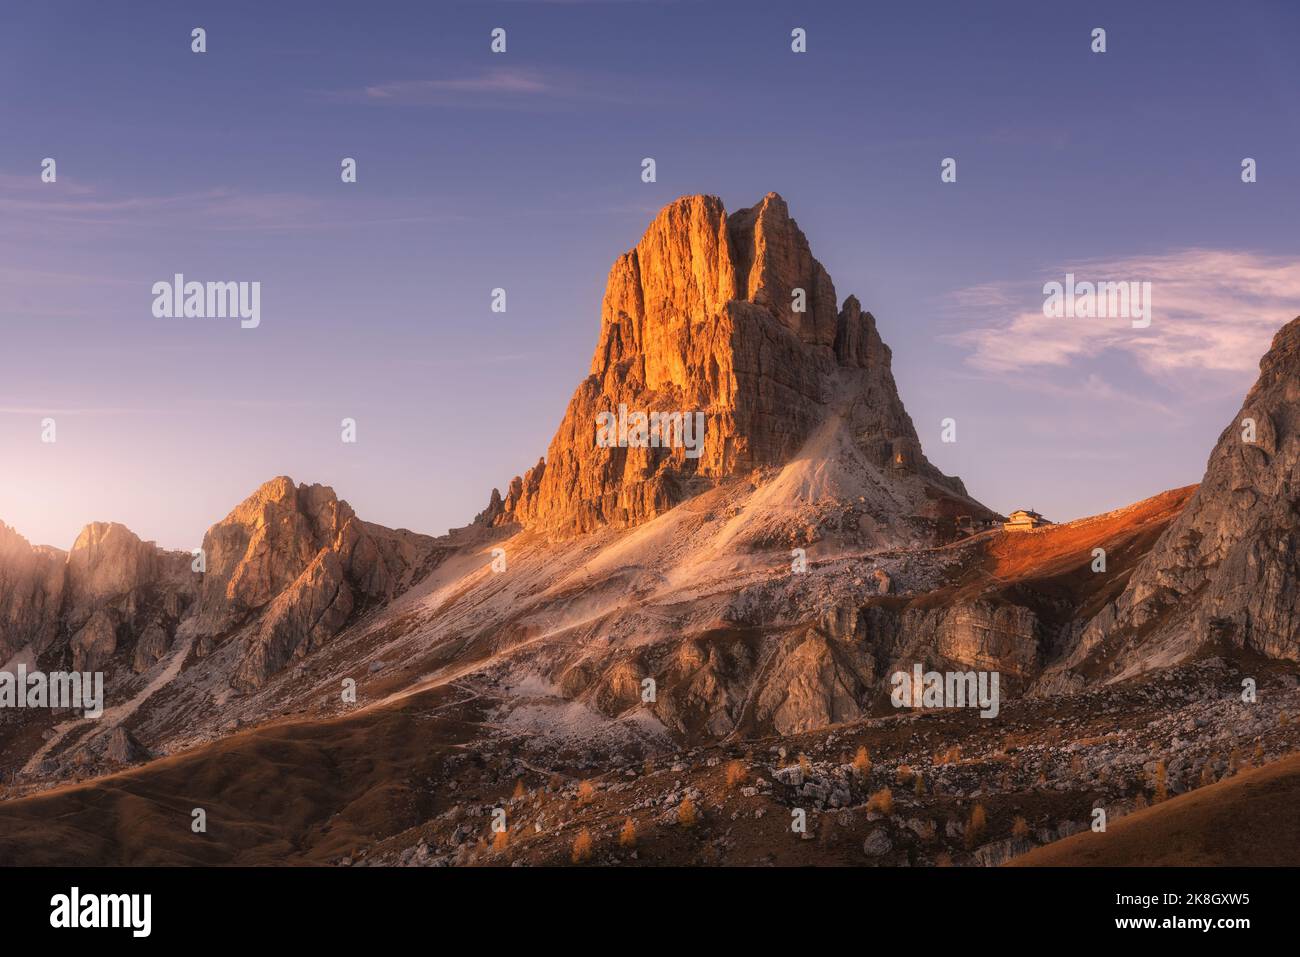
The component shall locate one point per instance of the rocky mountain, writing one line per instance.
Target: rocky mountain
(282, 574)
(111, 593)
(731, 317)
(627, 598)
(299, 564)
(1226, 572)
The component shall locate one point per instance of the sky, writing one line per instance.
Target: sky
(522, 170)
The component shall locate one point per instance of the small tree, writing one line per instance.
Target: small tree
(735, 774)
(862, 762)
(1020, 828)
(882, 802)
(520, 793)
(805, 765)
(500, 841)
(686, 812)
(919, 786)
(977, 825)
(581, 847)
(586, 793)
(1259, 752)
(627, 836)
(1161, 784)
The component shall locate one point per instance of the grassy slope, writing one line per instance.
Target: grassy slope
(1251, 819)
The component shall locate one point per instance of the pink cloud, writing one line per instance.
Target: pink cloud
(1213, 311)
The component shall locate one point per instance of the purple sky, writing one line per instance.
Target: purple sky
(522, 171)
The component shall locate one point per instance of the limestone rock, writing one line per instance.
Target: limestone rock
(1227, 570)
(93, 645)
(702, 317)
(31, 592)
(123, 748)
(294, 563)
(150, 647)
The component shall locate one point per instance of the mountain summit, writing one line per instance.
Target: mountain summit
(729, 317)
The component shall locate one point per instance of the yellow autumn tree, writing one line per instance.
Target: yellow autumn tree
(882, 802)
(1161, 792)
(735, 773)
(862, 762)
(976, 826)
(686, 812)
(581, 847)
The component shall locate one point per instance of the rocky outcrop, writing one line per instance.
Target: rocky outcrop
(296, 563)
(285, 570)
(1227, 570)
(730, 317)
(79, 608)
(31, 594)
(123, 748)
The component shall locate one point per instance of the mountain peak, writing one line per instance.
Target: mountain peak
(730, 322)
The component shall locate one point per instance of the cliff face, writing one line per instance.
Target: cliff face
(31, 592)
(296, 563)
(1227, 570)
(731, 317)
(111, 592)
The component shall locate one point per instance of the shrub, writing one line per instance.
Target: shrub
(1020, 828)
(1161, 787)
(977, 825)
(735, 773)
(581, 847)
(686, 812)
(627, 836)
(862, 762)
(882, 802)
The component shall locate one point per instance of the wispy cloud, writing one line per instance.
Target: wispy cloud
(500, 88)
(25, 207)
(1214, 313)
(492, 82)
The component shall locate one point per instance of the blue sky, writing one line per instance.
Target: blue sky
(522, 171)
